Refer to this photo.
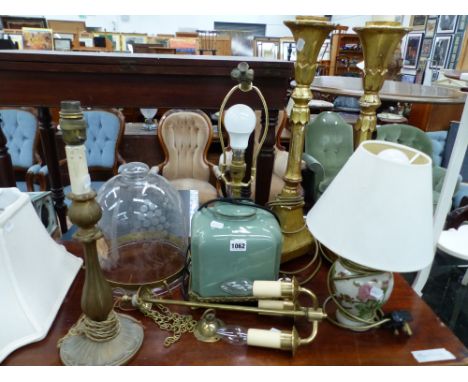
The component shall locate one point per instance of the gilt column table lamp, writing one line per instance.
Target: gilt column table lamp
(376, 215)
(101, 336)
(379, 40)
(309, 34)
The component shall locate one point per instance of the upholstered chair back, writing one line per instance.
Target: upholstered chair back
(406, 135)
(438, 139)
(329, 139)
(105, 129)
(20, 128)
(185, 136)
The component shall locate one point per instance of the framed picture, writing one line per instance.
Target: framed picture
(418, 23)
(86, 39)
(440, 51)
(412, 50)
(242, 35)
(455, 50)
(37, 38)
(288, 49)
(129, 39)
(447, 24)
(408, 78)
(426, 47)
(17, 22)
(16, 36)
(430, 27)
(116, 39)
(62, 44)
(462, 23)
(267, 47)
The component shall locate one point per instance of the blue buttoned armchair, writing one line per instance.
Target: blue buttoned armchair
(416, 138)
(21, 129)
(105, 129)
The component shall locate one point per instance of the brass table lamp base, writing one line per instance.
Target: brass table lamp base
(76, 349)
(101, 336)
(297, 239)
(379, 40)
(309, 34)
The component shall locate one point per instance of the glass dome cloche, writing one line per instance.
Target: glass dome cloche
(145, 230)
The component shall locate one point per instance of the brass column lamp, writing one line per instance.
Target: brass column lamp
(378, 40)
(309, 34)
(100, 337)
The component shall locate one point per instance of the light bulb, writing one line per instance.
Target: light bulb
(233, 334)
(240, 121)
(394, 155)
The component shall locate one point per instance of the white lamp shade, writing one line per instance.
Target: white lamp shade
(377, 212)
(35, 273)
(240, 121)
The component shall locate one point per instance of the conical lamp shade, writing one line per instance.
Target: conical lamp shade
(378, 212)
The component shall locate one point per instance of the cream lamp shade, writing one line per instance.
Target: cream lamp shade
(35, 273)
(377, 212)
(240, 121)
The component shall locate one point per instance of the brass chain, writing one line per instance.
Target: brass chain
(176, 323)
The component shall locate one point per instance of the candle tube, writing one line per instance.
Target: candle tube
(73, 126)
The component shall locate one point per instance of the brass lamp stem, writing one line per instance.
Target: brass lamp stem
(309, 34)
(100, 337)
(379, 40)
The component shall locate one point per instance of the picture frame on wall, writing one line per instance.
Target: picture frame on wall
(63, 44)
(462, 22)
(267, 47)
(18, 22)
(412, 50)
(430, 27)
(418, 22)
(447, 24)
(15, 35)
(455, 50)
(132, 38)
(426, 47)
(440, 51)
(288, 49)
(38, 38)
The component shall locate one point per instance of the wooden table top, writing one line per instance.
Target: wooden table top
(332, 346)
(391, 90)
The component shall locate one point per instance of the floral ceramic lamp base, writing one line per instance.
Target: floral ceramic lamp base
(360, 293)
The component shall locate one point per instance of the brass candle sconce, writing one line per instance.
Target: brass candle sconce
(309, 34)
(379, 40)
(275, 298)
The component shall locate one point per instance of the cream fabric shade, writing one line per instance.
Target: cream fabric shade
(378, 212)
(35, 273)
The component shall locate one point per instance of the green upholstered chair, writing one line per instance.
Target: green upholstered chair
(328, 145)
(413, 137)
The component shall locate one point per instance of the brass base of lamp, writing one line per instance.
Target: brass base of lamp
(78, 350)
(297, 239)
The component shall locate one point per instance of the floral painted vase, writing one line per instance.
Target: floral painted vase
(359, 294)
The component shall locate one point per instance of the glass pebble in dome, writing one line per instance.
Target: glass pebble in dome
(145, 230)
(150, 121)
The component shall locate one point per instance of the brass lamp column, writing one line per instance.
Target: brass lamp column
(309, 34)
(101, 336)
(379, 40)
